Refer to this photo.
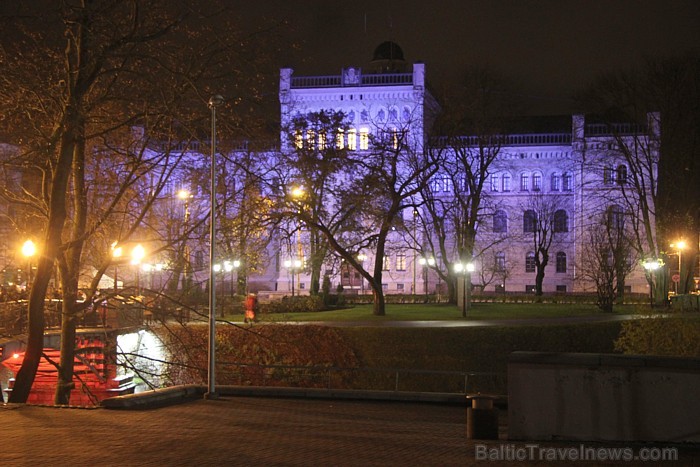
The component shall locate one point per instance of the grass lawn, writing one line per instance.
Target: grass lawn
(442, 312)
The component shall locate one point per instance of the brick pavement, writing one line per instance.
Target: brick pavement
(252, 431)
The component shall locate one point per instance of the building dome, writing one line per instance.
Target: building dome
(388, 58)
(388, 51)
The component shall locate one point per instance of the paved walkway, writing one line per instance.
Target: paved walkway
(256, 431)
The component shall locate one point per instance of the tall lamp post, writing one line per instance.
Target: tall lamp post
(679, 246)
(466, 270)
(214, 102)
(426, 263)
(292, 265)
(650, 266)
(29, 250)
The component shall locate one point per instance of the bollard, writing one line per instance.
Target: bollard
(482, 417)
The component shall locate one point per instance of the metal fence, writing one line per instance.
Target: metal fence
(369, 379)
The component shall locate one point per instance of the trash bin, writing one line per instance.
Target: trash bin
(482, 417)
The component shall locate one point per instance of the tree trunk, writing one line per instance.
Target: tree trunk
(64, 385)
(379, 305)
(57, 217)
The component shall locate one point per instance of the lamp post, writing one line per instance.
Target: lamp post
(214, 102)
(292, 265)
(465, 269)
(29, 250)
(230, 266)
(116, 254)
(679, 246)
(426, 263)
(650, 266)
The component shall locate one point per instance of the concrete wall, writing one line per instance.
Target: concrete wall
(603, 397)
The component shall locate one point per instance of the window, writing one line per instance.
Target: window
(399, 287)
(364, 139)
(621, 174)
(500, 265)
(298, 139)
(322, 141)
(529, 221)
(401, 261)
(561, 221)
(561, 261)
(566, 178)
(530, 289)
(386, 264)
(340, 139)
(616, 217)
(608, 175)
(536, 182)
(494, 182)
(524, 180)
(506, 182)
(352, 139)
(500, 221)
(561, 288)
(395, 138)
(500, 288)
(530, 262)
(199, 259)
(310, 139)
(555, 182)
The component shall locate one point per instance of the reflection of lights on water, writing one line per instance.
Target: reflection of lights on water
(141, 350)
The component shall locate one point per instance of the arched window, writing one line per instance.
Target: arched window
(561, 261)
(500, 221)
(506, 182)
(561, 221)
(529, 221)
(536, 181)
(608, 175)
(567, 182)
(621, 174)
(555, 182)
(500, 265)
(530, 262)
(524, 182)
(616, 217)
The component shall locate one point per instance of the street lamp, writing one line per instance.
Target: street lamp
(29, 250)
(184, 252)
(230, 266)
(116, 254)
(426, 263)
(214, 102)
(465, 269)
(651, 266)
(679, 246)
(292, 264)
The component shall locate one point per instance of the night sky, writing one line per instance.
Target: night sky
(551, 47)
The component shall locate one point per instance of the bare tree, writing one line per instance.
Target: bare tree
(89, 73)
(608, 257)
(456, 199)
(544, 220)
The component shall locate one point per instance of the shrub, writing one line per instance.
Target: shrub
(658, 335)
(294, 304)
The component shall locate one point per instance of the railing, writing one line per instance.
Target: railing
(605, 129)
(534, 139)
(382, 79)
(370, 379)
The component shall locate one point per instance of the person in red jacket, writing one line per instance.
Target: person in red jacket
(251, 305)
